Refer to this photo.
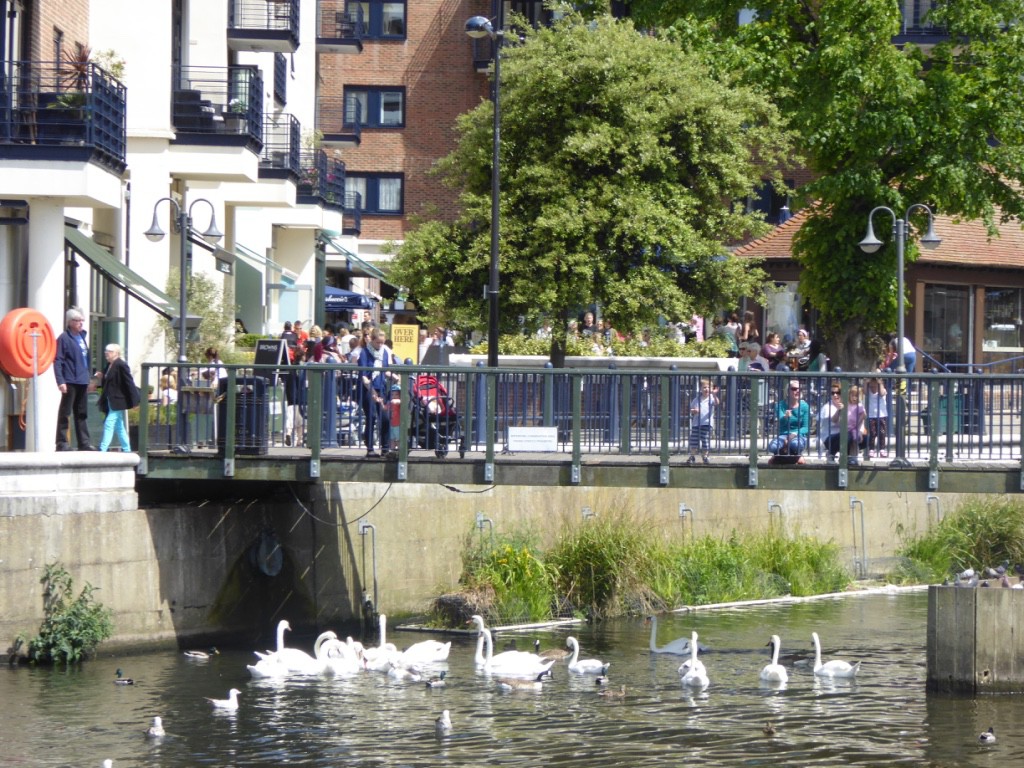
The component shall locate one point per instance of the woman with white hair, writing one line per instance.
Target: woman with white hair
(119, 394)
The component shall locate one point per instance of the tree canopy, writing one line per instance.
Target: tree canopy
(621, 156)
(879, 124)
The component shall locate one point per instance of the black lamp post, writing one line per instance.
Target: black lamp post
(182, 224)
(871, 244)
(478, 27)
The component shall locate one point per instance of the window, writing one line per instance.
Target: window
(377, 107)
(770, 202)
(379, 192)
(947, 330)
(381, 19)
(1003, 320)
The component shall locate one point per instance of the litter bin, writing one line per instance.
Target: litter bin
(958, 414)
(252, 416)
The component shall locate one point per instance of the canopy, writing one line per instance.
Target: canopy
(340, 300)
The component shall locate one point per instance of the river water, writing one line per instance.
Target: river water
(885, 718)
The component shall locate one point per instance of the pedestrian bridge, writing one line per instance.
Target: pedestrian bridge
(625, 425)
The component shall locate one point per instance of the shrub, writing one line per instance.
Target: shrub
(513, 570)
(72, 626)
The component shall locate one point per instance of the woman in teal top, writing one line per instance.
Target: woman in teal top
(794, 418)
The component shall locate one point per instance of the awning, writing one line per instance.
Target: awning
(357, 266)
(340, 300)
(119, 274)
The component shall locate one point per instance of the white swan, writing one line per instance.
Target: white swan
(383, 651)
(426, 652)
(834, 668)
(156, 730)
(505, 657)
(584, 666)
(511, 663)
(338, 658)
(229, 704)
(692, 671)
(680, 646)
(775, 672)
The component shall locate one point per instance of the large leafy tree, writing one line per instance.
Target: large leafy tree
(621, 155)
(880, 125)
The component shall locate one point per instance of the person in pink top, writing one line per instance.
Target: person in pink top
(856, 428)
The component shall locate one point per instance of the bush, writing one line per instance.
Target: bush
(521, 583)
(659, 346)
(72, 627)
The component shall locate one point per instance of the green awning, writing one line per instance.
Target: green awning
(119, 274)
(366, 267)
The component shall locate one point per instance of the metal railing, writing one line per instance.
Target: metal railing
(282, 142)
(353, 211)
(63, 104)
(337, 21)
(315, 408)
(321, 179)
(264, 15)
(219, 100)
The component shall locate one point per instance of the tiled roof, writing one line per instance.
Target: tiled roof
(964, 244)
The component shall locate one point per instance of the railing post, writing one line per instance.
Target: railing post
(491, 377)
(665, 381)
(755, 424)
(575, 395)
(548, 402)
(314, 416)
(675, 405)
(230, 428)
(933, 436)
(143, 441)
(480, 413)
(732, 407)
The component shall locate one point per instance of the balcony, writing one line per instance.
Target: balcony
(341, 122)
(916, 28)
(321, 180)
(281, 156)
(339, 29)
(263, 25)
(218, 106)
(62, 111)
(353, 211)
(483, 53)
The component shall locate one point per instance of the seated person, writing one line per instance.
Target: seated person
(793, 416)
(856, 430)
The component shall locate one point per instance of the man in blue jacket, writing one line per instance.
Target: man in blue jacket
(72, 371)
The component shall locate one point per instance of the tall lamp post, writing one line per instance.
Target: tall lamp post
(871, 244)
(479, 27)
(182, 224)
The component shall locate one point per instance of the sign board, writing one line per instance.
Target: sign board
(271, 352)
(405, 342)
(533, 439)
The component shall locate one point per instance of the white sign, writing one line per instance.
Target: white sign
(533, 439)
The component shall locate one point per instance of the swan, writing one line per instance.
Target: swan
(371, 655)
(230, 703)
(426, 652)
(156, 730)
(400, 671)
(834, 668)
(558, 654)
(774, 672)
(680, 646)
(987, 737)
(512, 663)
(586, 666)
(513, 684)
(692, 670)
(267, 667)
(337, 658)
(443, 724)
(503, 658)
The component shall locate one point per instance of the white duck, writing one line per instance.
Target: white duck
(584, 666)
(774, 672)
(834, 668)
(680, 646)
(230, 704)
(692, 671)
(510, 663)
(426, 652)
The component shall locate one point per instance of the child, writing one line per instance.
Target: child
(702, 416)
(878, 418)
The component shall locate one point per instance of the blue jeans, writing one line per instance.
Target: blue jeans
(116, 420)
(795, 447)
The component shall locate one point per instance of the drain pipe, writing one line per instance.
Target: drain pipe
(365, 527)
(481, 521)
(685, 511)
(862, 569)
(588, 513)
(938, 507)
(774, 506)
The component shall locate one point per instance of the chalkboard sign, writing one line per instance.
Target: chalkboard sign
(271, 352)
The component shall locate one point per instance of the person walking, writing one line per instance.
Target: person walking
(119, 395)
(71, 369)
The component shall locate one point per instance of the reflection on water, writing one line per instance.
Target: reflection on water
(884, 718)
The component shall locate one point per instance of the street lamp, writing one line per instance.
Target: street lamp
(871, 244)
(479, 27)
(182, 224)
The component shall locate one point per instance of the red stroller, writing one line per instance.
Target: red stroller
(434, 423)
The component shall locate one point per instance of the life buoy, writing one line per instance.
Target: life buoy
(16, 342)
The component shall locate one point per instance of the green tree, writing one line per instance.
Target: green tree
(880, 125)
(620, 156)
(212, 305)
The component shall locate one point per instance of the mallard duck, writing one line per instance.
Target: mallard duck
(156, 730)
(229, 704)
(769, 729)
(201, 655)
(610, 693)
(120, 680)
(437, 681)
(987, 737)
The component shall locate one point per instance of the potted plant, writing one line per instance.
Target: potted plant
(235, 116)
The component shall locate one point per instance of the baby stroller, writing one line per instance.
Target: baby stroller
(434, 422)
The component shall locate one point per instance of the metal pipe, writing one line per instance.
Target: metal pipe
(363, 528)
(480, 521)
(588, 513)
(862, 570)
(684, 512)
(774, 505)
(938, 507)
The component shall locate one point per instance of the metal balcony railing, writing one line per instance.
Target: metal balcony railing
(218, 101)
(353, 214)
(72, 106)
(321, 179)
(337, 21)
(264, 22)
(282, 145)
(340, 121)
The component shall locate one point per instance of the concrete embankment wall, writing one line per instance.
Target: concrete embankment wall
(225, 559)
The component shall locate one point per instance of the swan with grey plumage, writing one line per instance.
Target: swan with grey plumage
(680, 646)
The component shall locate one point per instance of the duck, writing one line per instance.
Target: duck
(443, 724)
(692, 671)
(680, 646)
(201, 655)
(119, 680)
(516, 684)
(769, 729)
(230, 704)
(584, 666)
(427, 652)
(509, 663)
(610, 693)
(601, 680)
(834, 668)
(774, 672)
(987, 737)
(437, 681)
(558, 654)
(156, 730)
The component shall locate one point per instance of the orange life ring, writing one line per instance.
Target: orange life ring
(16, 332)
